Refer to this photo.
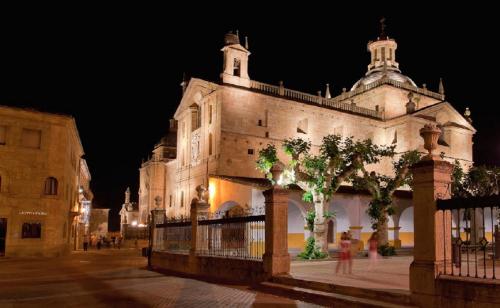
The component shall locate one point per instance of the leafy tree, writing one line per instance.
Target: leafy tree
(478, 181)
(382, 189)
(321, 175)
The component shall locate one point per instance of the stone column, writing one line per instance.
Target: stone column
(431, 180)
(276, 256)
(396, 241)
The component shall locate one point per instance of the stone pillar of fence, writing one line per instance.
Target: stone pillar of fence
(432, 231)
(276, 257)
(194, 227)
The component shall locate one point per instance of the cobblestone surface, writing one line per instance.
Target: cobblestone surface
(116, 278)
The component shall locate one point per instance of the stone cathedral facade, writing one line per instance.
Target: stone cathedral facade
(220, 127)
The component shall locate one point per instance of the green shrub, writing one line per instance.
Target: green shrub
(387, 250)
(312, 251)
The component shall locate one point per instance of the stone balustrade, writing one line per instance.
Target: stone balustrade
(338, 102)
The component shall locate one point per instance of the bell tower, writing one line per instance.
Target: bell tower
(383, 52)
(235, 65)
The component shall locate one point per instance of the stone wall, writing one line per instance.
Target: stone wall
(230, 270)
(467, 292)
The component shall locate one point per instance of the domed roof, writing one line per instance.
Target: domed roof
(376, 75)
(169, 140)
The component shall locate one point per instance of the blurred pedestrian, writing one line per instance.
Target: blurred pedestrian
(345, 254)
(85, 242)
(118, 241)
(372, 249)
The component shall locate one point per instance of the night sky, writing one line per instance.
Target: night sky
(117, 70)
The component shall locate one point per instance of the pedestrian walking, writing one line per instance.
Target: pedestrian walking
(372, 249)
(118, 241)
(345, 254)
(85, 242)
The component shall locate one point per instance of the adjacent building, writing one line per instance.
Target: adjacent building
(221, 126)
(44, 184)
(99, 218)
(129, 216)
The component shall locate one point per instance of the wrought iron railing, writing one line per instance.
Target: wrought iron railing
(473, 224)
(136, 232)
(235, 237)
(173, 236)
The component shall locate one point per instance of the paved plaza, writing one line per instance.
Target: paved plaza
(391, 274)
(116, 278)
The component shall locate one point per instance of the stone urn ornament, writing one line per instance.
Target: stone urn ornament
(430, 133)
(276, 172)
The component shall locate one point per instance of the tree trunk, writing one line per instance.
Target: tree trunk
(319, 222)
(383, 232)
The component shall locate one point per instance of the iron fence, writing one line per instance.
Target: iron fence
(234, 237)
(135, 232)
(173, 236)
(473, 224)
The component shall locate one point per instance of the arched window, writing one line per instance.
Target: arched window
(50, 186)
(237, 67)
(31, 230)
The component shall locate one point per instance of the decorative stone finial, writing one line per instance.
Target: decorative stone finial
(467, 115)
(383, 35)
(424, 86)
(327, 91)
(319, 93)
(184, 83)
(430, 133)
(201, 192)
(127, 195)
(158, 200)
(410, 106)
(441, 87)
(344, 90)
(276, 171)
(246, 42)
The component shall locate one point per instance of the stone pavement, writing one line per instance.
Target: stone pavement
(116, 278)
(390, 274)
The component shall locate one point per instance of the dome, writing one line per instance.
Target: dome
(169, 140)
(231, 39)
(373, 76)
